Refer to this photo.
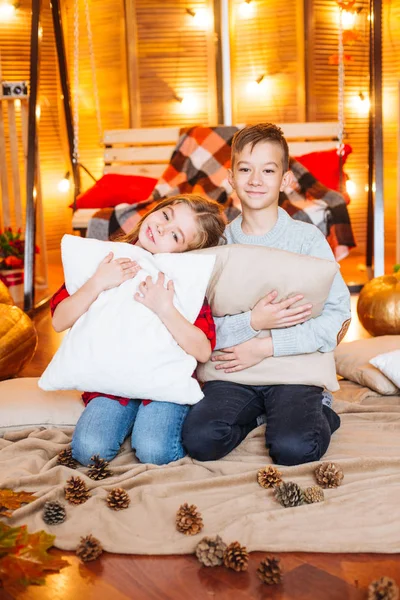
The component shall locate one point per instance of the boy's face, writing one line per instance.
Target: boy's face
(258, 177)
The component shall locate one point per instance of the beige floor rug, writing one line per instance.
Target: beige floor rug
(362, 515)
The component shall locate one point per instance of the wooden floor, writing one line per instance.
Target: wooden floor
(119, 577)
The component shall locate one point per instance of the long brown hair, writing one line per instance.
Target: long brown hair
(209, 216)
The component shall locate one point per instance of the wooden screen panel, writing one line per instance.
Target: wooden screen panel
(322, 96)
(174, 56)
(267, 41)
(391, 104)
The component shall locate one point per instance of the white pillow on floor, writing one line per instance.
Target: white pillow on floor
(120, 346)
(389, 365)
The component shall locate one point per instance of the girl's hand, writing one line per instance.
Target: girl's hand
(156, 296)
(269, 314)
(111, 273)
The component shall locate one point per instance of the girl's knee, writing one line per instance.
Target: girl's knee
(292, 450)
(84, 447)
(156, 452)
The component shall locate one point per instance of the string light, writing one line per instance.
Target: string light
(188, 102)
(7, 10)
(255, 85)
(362, 103)
(17, 103)
(200, 17)
(38, 111)
(247, 9)
(64, 184)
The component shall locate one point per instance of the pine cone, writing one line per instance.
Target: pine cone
(269, 476)
(269, 570)
(65, 458)
(210, 551)
(53, 513)
(313, 494)
(329, 475)
(236, 557)
(99, 469)
(383, 589)
(289, 494)
(118, 499)
(89, 548)
(76, 491)
(188, 520)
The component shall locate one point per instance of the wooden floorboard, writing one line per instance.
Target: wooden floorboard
(306, 576)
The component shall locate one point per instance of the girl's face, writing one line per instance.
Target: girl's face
(170, 229)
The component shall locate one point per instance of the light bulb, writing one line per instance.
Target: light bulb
(17, 103)
(348, 19)
(362, 104)
(64, 184)
(246, 9)
(189, 103)
(38, 111)
(201, 18)
(351, 187)
(7, 11)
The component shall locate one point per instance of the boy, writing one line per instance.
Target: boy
(299, 418)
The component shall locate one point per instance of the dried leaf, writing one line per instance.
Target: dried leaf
(24, 557)
(12, 500)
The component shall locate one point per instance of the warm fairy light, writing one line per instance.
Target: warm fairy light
(348, 19)
(246, 9)
(362, 103)
(38, 111)
(351, 187)
(17, 103)
(34, 192)
(373, 187)
(64, 184)
(7, 11)
(200, 17)
(188, 102)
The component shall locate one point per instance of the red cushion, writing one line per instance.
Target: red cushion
(113, 189)
(325, 167)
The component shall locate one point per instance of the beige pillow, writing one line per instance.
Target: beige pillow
(23, 404)
(244, 274)
(352, 362)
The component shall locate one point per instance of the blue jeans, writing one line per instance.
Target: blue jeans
(299, 426)
(105, 423)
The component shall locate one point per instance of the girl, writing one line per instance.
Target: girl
(177, 224)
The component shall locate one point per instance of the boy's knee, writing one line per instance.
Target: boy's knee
(83, 448)
(208, 441)
(290, 451)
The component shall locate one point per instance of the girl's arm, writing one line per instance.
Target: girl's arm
(110, 273)
(160, 300)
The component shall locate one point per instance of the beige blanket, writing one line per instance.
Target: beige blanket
(363, 515)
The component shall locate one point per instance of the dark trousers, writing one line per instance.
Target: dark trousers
(299, 426)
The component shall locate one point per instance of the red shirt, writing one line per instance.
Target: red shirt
(204, 321)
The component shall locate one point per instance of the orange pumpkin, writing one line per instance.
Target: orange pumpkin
(5, 296)
(378, 306)
(18, 340)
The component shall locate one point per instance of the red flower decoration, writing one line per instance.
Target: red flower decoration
(13, 262)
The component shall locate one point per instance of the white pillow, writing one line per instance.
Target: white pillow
(23, 405)
(389, 365)
(120, 346)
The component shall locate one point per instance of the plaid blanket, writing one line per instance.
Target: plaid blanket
(199, 165)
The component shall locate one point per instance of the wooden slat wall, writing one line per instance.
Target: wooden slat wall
(269, 42)
(108, 29)
(15, 57)
(174, 56)
(391, 101)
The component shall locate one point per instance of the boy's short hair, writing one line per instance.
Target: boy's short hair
(256, 134)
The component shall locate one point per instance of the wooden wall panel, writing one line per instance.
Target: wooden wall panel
(322, 97)
(175, 57)
(268, 41)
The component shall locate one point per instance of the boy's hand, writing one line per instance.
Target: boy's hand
(269, 315)
(244, 355)
(156, 296)
(111, 273)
